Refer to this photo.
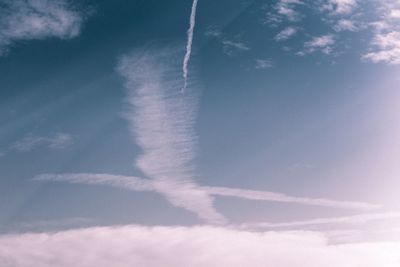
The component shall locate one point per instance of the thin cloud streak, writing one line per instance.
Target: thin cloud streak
(139, 184)
(354, 219)
(189, 44)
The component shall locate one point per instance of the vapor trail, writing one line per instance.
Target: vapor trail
(189, 44)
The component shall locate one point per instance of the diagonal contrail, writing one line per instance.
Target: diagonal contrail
(189, 44)
(133, 183)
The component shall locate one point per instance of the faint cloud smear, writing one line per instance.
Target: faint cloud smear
(340, 7)
(354, 219)
(30, 142)
(322, 43)
(286, 34)
(230, 46)
(286, 8)
(140, 184)
(201, 246)
(36, 19)
(345, 25)
(262, 64)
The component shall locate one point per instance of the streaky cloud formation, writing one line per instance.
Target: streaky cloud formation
(36, 19)
(354, 219)
(161, 120)
(200, 246)
(189, 44)
(56, 141)
(139, 184)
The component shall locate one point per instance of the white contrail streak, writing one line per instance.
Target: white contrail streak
(139, 184)
(189, 44)
(354, 219)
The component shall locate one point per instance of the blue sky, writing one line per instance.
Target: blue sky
(275, 121)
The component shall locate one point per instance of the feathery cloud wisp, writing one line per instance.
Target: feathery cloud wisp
(29, 142)
(36, 19)
(354, 219)
(322, 43)
(139, 184)
(286, 33)
(161, 121)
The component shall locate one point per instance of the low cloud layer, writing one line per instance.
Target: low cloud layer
(188, 246)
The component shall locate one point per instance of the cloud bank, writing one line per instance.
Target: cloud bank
(200, 246)
(36, 19)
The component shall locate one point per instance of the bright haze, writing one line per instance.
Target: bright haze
(200, 133)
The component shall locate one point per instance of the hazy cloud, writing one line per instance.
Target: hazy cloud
(36, 19)
(345, 25)
(286, 33)
(386, 48)
(262, 64)
(201, 246)
(161, 120)
(30, 142)
(354, 219)
(230, 46)
(340, 7)
(322, 43)
(139, 184)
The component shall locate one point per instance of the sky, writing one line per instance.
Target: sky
(235, 133)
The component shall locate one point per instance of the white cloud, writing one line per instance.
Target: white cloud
(385, 45)
(386, 48)
(345, 25)
(30, 142)
(36, 19)
(354, 219)
(161, 119)
(287, 9)
(340, 7)
(200, 246)
(262, 64)
(229, 46)
(139, 184)
(286, 33)
(322, 43)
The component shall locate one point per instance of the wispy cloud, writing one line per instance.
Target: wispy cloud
(340, 7)
(386, 48)
(262, 64)
(134, 245)
(231, 46)
(139, 184)
(287, 9)
(323, 43)
(30, 142)
(286, 33)
(346, 25)
(36, 19)
(354, 219)
(161, 120)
